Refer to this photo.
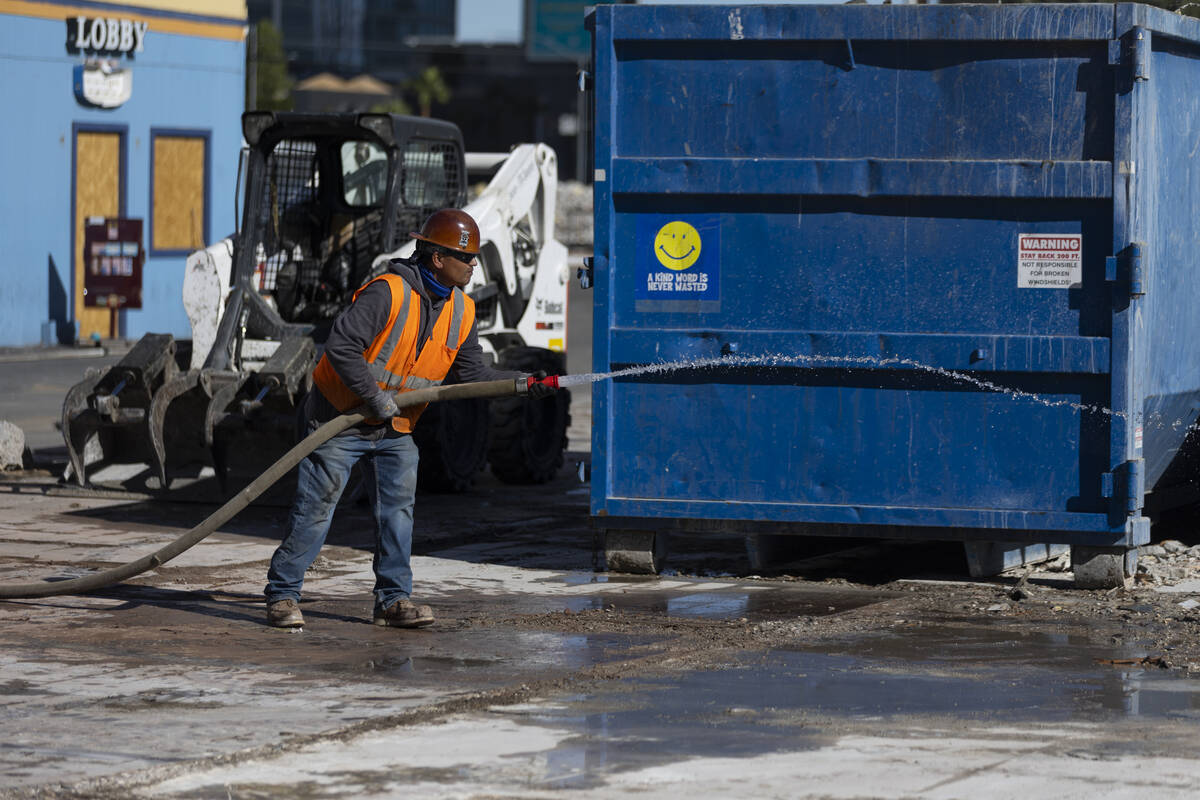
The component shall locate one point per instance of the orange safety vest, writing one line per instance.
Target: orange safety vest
(392, 355)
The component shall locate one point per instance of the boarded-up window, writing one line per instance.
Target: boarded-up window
(178, 213)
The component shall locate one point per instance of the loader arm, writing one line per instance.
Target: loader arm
(520, 288)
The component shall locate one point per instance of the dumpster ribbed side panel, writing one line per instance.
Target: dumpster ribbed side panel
(858, 209)
(1040, 101)
(1171, 173)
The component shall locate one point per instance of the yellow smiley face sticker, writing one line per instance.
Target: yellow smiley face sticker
(677, 245)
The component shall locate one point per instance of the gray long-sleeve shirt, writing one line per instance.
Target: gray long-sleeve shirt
(358, 326)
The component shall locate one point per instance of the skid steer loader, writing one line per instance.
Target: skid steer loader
(328, 199)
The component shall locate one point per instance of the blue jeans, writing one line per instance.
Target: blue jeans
(390, 468)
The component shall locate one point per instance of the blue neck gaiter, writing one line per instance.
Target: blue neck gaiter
(432, 284)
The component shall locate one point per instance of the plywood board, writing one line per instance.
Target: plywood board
(178, 214)
(97, 194)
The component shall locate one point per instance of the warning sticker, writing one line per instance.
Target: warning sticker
(1049, 260)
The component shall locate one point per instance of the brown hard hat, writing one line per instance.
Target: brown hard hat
(452, 229)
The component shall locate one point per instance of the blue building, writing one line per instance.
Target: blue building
(113, 110)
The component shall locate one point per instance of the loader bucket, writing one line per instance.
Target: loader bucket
(144, 410)
(80, 423)
(107, 417)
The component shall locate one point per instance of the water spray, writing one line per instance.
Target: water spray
(809, 362)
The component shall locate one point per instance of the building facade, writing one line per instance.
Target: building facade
(499, 96)
(349, 37)
(126, 110)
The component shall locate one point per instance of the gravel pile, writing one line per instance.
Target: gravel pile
(573, 214)
(1168, 562)
(1165, 563)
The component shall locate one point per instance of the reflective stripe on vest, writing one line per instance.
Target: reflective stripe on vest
(378, 367)
(453, 333)
(417, 382)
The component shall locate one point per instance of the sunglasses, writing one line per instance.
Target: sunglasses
(466, 258)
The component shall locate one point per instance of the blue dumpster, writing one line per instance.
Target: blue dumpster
(935, 268)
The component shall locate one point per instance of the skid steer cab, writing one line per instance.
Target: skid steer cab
(326, 200)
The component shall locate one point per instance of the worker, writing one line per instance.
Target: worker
(406, 329)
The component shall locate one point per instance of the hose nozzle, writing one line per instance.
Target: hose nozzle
(549, 380)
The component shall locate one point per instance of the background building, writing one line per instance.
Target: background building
(502, 90)
(349, 37)
(115, 109)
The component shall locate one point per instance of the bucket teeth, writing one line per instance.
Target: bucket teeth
(79, 424)
(225, 387)
(156, 420)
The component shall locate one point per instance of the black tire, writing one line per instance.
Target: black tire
(453, 439)
(529, 436)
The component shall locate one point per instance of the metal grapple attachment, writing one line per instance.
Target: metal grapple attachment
(109, 412)
(146, 410)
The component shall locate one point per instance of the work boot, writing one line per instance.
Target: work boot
(404, 614)
(284, 614)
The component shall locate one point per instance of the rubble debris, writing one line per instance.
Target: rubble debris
(1061, 563)
(1167, 563)
(12, 446)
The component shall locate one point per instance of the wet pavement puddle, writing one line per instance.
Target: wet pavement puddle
(784, 700)
(511, 655)
(870, 704)
(981, 670)
(712, 600)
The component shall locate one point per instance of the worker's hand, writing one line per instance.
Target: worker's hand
(539, 391)
(382, 406)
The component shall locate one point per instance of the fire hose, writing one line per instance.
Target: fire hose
(99, 580)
